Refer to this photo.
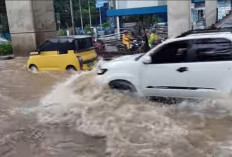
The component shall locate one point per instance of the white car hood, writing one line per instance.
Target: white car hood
(106, 64)
(126, 58)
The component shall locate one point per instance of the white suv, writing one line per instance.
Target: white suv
(194, 66)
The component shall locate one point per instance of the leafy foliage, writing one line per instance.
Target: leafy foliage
(6, 48)
(88, 30)
(62, 32)
(104, 25)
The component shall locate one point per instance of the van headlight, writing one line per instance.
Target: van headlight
(101, 71)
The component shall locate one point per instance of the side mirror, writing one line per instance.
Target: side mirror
(147, 60)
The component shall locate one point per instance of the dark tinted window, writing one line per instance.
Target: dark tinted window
(48, 46)
(65, 45)
(171, 53)
(210, 50)
(84, 43)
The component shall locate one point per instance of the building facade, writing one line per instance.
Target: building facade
(181, 15)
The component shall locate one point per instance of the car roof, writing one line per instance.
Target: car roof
(226, 35)
(74, 37)
(69, 38)
(3, 40)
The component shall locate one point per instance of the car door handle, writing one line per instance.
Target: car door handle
(182, 69)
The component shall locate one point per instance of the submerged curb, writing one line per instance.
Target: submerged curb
(8, 57)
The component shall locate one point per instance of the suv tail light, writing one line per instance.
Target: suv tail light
(80, 61)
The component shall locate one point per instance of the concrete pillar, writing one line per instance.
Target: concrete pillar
(210, 12)
(30, 23)
(178, 17)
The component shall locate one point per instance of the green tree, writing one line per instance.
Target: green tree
(63, 8)
(6, 48)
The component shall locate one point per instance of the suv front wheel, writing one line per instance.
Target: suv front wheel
(124, 87)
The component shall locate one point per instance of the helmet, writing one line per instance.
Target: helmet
(125, 32)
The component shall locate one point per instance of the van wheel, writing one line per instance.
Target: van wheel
(33, 68)
(124, 87)
(71, 68)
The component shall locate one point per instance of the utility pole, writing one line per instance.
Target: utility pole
(81, 16)
(100, 17)
(90, 19)
(71, 9)
(117, 21)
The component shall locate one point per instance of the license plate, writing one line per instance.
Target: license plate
(90, 64)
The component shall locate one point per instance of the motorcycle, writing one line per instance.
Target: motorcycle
(136, 46)
(99, 44)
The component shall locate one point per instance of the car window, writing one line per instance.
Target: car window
(65, 45)
(174, 52)
(85, 43)
(48, 46)
(210, 50)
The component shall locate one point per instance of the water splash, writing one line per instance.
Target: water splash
(129, 125)
(79, 117)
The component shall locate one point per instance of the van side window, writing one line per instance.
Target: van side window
(211, 50)
(65, 45)
(47, 46)
(175, 52)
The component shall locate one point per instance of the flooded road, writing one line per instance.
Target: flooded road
(58, 114)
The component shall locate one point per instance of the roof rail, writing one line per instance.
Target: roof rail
(210, 30)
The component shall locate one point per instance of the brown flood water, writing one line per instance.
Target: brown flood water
(58, 114)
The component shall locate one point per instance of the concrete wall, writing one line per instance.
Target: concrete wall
(44, 20)
(30, 23)
(210, 12)
(178, 17)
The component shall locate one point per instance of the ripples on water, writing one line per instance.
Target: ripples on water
(77, 117)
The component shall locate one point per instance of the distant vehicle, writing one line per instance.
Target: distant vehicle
(160, 24)
(2, 40)
(64, 53)
(191, 66)
(98, 44)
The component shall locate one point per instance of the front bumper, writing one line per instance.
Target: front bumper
(89, 65)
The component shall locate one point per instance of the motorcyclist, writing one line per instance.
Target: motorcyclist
(126, 39)
(153, 38)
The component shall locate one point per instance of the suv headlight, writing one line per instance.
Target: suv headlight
(101, 71)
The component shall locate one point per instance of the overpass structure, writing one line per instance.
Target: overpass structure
(180, 17)
(30, 23)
